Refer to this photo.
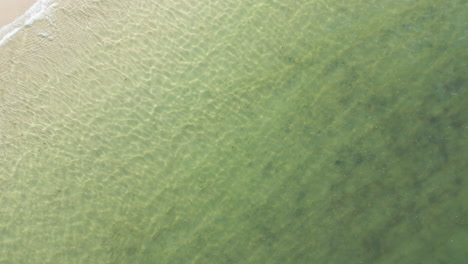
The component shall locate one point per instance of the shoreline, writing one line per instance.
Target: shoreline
(38, 10)
(10, 10)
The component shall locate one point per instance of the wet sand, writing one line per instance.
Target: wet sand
(12, 9)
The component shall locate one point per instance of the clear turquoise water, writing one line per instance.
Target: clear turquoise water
(237, 132)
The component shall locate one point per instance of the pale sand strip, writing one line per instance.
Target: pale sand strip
(38, 11)
(12, 9)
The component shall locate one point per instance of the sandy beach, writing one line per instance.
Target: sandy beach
(12, 9)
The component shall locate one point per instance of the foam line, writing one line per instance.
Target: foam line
(38, 11)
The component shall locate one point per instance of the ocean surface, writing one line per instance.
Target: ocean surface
(236, 132)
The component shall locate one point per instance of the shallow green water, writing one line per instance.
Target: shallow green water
(238, 132)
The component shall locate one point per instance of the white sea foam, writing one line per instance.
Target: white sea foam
(38, 11)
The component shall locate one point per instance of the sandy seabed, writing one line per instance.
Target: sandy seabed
(235, 132)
